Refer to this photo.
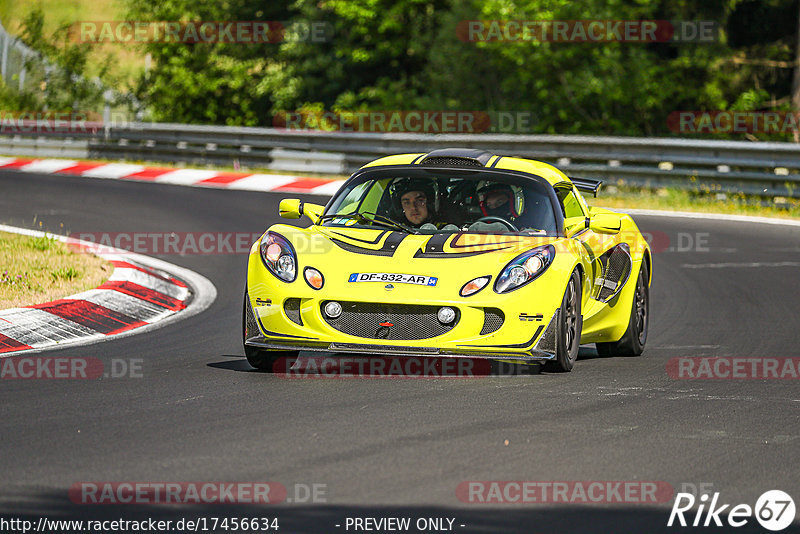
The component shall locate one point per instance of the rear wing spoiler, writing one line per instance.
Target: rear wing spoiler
(587, 185)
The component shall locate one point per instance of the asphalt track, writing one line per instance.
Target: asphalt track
(401, 447)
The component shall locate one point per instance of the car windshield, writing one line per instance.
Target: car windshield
(430, 201)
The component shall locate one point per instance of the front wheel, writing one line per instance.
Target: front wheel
(262, 359)
(632, 342)
(568, 329)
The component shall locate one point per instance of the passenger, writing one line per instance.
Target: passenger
(498, 200)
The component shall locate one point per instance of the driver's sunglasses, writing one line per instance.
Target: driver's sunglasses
(417, 202)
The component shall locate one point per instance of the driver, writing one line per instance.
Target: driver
(414, 201)
(415, 207)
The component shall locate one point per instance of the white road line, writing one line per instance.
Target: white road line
(741, 265)
(6, 161)
(676, 347)
(709, 216)
(113, 170)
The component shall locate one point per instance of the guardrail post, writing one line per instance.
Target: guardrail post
(22, 72)
(108, 95)
(4, 60)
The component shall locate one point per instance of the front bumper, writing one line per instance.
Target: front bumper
(274, 330)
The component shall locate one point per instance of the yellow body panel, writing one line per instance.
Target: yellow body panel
(339, 252)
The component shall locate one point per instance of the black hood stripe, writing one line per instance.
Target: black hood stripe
(390, 245)
(373, 242)
(434, 248)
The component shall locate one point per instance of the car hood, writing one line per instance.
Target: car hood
(358, 247)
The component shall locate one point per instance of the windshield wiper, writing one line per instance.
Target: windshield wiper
(374, 218)
(386, 221)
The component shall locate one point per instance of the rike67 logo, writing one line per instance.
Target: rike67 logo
(774, 510)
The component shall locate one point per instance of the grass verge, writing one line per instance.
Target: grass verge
(127, 61)
(34, 270)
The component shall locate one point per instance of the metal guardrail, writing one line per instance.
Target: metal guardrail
(765, 169)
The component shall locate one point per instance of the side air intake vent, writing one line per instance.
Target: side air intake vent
(292, 309)
(492, 320)
(616, 270)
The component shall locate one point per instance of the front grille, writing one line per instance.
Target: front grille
(292, 309)
(362, 319)
(492, 320)
(449, 161)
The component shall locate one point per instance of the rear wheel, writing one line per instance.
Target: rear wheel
(632, 342)
(263, 359)
(568, 329)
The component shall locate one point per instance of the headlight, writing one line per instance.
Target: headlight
(279, 257)
(525, 268)
(474, 285)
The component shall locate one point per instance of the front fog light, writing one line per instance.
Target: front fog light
(333, 309)
(446, 315)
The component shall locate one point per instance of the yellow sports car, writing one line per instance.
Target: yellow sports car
(457, 252)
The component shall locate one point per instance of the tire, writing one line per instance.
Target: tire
(633, 341)
(263, 360)
(568, 329)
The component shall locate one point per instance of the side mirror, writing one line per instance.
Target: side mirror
(291, 208)
(294, 208)
(605, 223)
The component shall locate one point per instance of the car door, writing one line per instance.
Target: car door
(595, 245)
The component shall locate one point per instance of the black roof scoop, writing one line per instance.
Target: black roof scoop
(457, 157)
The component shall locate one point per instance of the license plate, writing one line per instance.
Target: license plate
(396, 278)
